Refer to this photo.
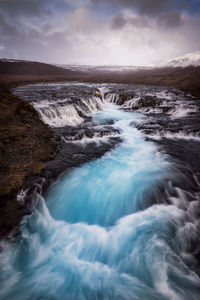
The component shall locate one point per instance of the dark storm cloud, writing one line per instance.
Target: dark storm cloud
(38, 8)
(22, 37)
(146, 7)
(121, 20)
(118, 21)
(153, 7)
(170, 20)
(167, 21)
(6, 29)
(21, 7)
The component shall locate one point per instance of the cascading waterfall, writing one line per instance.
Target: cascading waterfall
(112, 98)
(56, 116)
(65, 113)
(106, 231)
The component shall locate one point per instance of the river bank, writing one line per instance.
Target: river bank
(25, 144)
(32, 156)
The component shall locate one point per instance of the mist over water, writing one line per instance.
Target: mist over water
(108, 229)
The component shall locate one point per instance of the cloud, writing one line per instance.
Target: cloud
(170, 20)
(166, 21)
(20, 7)
(128, 33)
(118, 21)
(152, 7)
(146, 7)
(128, 18)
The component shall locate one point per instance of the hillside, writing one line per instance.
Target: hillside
(186, 79)
(23, 72)
(20, 67)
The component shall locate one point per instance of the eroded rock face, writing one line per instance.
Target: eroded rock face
(147, 101)
(25, 144)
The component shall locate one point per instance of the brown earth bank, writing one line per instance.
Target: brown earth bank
(25, 144)
(186, 79)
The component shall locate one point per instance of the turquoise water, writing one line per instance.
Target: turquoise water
(99, 235)
(118, 184)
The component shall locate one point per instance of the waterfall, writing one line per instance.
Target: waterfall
(61, 113)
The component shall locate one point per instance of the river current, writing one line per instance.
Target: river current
(120, 226)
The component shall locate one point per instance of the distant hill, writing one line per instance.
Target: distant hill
(14, 71)
(23, 67)
(186, 78)
(103, 69)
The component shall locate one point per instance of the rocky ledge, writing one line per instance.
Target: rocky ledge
(25, 144)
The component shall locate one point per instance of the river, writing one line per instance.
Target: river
(120, 226)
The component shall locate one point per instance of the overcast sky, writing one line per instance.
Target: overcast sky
(119, 32)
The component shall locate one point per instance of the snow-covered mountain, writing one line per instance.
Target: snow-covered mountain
(182, 61)
(103, 69)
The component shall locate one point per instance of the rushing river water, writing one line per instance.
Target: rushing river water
(108, 229)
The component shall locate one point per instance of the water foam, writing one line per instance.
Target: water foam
(60, 113)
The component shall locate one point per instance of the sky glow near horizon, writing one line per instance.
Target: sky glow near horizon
(99, 32)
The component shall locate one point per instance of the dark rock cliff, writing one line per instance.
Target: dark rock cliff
(25, 144)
